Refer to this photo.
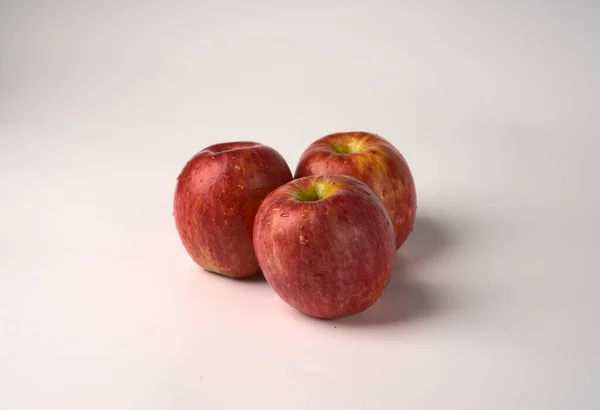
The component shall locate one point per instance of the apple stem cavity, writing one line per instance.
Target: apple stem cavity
(315, 192)
(349, 146)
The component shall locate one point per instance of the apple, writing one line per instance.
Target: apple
(217, 195)
(373, 160)
(325, 244)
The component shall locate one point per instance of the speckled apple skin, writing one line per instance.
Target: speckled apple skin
(216, 199)
(327, 258)
(379, 164)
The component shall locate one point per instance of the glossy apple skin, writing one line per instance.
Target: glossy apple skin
(327, 258)
(379, 164)
(217, 195)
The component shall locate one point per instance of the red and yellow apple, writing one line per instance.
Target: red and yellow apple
(325, 244)
(217, 196)
(373, 160)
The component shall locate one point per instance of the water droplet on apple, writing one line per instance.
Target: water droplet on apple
(303, 240)
(213, 219)
(226, 222)
(237, 167)
(275, 209)
(213, 157)
(285, 215)
(303, 214)
(227, 176)
(240, 186)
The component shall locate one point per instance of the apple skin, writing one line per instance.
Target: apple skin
(373, 160)
(329, 257)
(217, 195)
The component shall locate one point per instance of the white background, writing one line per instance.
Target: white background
(494, 301)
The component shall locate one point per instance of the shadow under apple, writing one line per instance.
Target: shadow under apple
(407, 298)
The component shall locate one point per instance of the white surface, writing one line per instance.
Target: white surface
(494, 304)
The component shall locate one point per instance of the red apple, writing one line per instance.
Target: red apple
(217, 196)
(373, 160)
(325, 245)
